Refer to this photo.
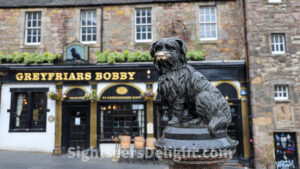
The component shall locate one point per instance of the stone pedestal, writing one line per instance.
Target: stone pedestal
(193, 148)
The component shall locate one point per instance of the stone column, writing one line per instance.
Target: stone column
(58, 121)
(93, 120)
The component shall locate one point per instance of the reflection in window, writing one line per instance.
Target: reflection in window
(38, 110)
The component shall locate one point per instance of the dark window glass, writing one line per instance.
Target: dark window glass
(122, 119)
(38, 110)
(28, 110)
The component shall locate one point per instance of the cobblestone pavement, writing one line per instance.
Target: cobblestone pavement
(28, 160)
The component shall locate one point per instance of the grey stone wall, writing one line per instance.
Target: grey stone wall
(267, 70)
(61, 26)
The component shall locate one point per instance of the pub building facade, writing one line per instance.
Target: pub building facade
(90, 102)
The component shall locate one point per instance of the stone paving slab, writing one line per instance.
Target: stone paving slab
(29, 160)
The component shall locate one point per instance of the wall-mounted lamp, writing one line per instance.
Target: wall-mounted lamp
(65, 96)
(148, 73)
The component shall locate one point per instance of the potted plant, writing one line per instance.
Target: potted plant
(90, 96)
(55, 96)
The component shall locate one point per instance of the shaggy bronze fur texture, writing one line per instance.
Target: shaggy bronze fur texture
(192, 99)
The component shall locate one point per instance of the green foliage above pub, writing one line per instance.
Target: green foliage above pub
(102, 57)
(138, 56)
(28, 58)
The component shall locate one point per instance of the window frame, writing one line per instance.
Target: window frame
(216, 22)
(275, 44)
(26, 28)
(284, 89)
(146, 24)
(12, 110)
(88, 26)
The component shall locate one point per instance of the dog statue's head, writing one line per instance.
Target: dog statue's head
(168, 53)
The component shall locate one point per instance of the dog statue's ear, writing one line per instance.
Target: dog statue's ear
(152, 50)
(182, 45)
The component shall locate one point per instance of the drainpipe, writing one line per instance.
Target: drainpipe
(101, 30)
(247, 73)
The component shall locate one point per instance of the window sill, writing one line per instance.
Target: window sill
(29, 46)
(146, 41)
(282, 101)
(208, 42)
(89, 43)
(27, 130)
(275, 3)
(278, 54)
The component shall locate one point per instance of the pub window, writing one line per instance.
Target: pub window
(33, 28)
(278, 43)
(122, 119)
(281, 92)
(88, 30)
(28, 109)
(143, 25)
(208, 23)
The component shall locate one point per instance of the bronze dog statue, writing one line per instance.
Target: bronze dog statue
(186, 91)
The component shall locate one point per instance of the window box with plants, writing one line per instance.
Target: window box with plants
(90, 96)
(147, 95)
(55, 96)
(28, 58)
(111, 58)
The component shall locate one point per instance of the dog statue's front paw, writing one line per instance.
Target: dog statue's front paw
(174, 121)
(212, 131)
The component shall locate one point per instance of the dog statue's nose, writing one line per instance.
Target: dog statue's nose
(161, 56)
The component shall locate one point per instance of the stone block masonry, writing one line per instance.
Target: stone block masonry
(268, 70)
(61, 26)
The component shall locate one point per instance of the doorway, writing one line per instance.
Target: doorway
(75, 126)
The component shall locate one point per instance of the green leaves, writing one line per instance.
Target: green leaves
(28, 58)
(138, 56)
(197, 55)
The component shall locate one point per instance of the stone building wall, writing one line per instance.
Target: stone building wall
(267, 70)
(61, 26)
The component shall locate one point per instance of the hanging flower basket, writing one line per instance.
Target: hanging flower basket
(55, 96)
(148, 95)
(90, 97)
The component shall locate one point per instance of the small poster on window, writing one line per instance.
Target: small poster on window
(77, 121)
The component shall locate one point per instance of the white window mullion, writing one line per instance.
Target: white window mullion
(143, 25)
(278, 43)
(29, 36)
(281, 92)
(208, 23)
(90, 17)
